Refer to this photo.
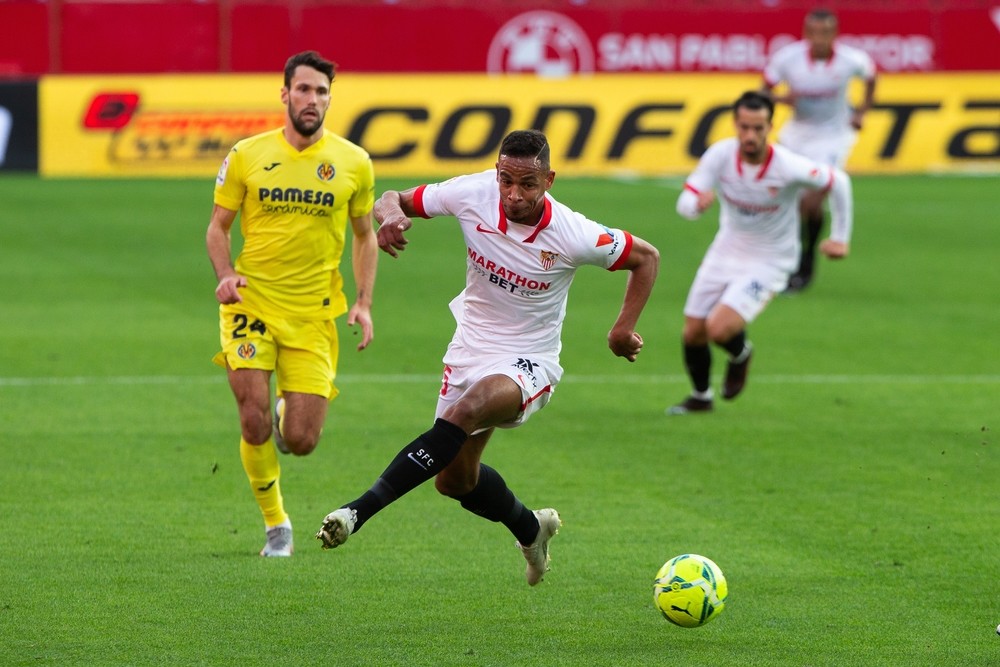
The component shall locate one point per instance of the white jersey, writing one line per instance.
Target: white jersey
(819, 86)
(518, 276)
(759, 219)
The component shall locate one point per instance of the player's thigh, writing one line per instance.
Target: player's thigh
(304, 416)
(819, 144)
(750, 292)
(307, 358)
(534, 379)
(709, 284)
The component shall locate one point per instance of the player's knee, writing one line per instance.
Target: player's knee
(695, 333)
(255, 425)
(464, 413)
(301, 439)
(302, 448)
(722, 329)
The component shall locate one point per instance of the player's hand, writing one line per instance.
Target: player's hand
(833, 249)
(363, 316)
(625, 344)
(705, 199)
(390, 234)
(228, 289)
(857, 119)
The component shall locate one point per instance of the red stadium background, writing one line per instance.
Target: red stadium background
(548, 37)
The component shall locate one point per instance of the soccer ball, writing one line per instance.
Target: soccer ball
(690, 590)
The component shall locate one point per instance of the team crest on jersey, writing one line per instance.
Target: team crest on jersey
(548, 259)
(247, 351)
(325, 171)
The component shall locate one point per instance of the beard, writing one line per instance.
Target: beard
(306, 128)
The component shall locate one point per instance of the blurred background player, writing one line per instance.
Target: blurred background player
(757, 245)
(295, 188)
(502, 365)
(824, 127)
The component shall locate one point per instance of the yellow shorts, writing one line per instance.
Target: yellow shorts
(302, 353)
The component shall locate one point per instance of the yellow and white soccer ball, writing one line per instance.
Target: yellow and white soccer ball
(690, 590)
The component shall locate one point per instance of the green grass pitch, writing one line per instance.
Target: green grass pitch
(849, 496)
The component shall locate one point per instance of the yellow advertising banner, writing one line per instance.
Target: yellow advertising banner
(441, 125)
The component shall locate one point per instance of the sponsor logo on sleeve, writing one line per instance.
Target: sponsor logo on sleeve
(220, 178)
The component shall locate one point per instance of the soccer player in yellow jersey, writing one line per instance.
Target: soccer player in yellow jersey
(295, 188)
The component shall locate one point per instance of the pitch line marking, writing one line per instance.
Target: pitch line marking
(414, 378)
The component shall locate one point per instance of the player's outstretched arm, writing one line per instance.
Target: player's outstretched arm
(643, 263)
(392, 212)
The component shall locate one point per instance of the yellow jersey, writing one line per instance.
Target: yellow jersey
(294, 207)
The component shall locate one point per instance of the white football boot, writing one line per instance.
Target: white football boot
(537, 555)
(337, 527)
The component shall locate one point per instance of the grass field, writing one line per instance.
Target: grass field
(850, 495)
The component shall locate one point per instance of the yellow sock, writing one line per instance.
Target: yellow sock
(261, 465)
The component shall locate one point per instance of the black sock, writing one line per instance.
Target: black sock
(813, 230)
(416, 463)
(491, 499)
(698, 361)
(734, 346)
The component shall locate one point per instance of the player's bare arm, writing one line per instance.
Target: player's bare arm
(364, 260)
(858, 115)
(705, 200)
(834, 249)
(392, 213)
(842, 217)
(643, 263)
(219, 244)
(692, 203)
(786, 98)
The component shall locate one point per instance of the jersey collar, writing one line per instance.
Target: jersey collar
(827, 62)
(763, 168)
(542, 224)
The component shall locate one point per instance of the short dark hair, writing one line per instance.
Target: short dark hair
(821, 14)
(754, 100)
(527, 143)
(309, 59)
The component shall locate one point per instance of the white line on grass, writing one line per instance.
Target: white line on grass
(94, 380)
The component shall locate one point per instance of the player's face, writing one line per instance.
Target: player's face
(523, 184)
(307, 99)
(820, 34)
(752, 128)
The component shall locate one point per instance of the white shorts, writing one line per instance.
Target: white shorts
(536, 376)
(746, 287)
(830, 147)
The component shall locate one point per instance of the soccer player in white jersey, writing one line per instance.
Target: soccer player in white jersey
(502, 365)
(757, 245)
(824, 127)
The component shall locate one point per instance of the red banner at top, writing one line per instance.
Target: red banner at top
(605, 39)
(549, 37)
